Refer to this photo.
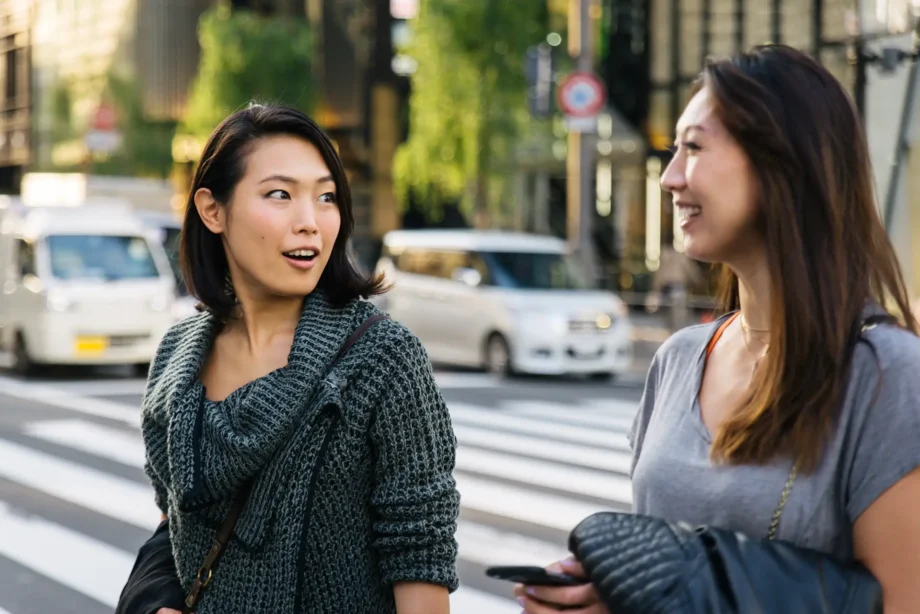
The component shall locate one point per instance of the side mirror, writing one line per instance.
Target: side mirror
(468, 276)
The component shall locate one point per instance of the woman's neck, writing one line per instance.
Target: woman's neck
(261, 320)
(755, 295)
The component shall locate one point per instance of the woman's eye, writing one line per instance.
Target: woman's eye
(689, 145)
(282, 194)
(328, 197)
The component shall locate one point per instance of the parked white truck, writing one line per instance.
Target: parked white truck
(80, 285)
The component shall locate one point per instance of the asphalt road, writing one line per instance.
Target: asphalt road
(536, 455)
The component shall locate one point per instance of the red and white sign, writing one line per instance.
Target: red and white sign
(105, 118)
(104, 136)
(581, 95)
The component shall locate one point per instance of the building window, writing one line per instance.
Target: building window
(12, 70)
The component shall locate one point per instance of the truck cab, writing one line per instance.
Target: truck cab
(81, 285)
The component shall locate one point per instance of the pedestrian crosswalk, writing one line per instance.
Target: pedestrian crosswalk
(528, 471)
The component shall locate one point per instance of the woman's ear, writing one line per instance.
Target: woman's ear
(210, 211)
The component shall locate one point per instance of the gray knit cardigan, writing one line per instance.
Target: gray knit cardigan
(353, 467)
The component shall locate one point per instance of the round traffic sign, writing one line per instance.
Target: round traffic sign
(581, 95)
(105, 118)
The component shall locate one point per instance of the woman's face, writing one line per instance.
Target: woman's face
(282, 220)
(713, 187)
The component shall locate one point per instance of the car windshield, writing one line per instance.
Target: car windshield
(535, 271)
(105, 257)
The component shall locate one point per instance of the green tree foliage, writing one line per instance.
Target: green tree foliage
(468, 103)
(246, 57)
(61, 112)
(146, 149)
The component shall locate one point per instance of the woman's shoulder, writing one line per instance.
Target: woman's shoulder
(890, 355)
(688, 343)
(387, 333)
(894, 345)
(388, 341)
(388, 356)
(185, 332)
(881, 415)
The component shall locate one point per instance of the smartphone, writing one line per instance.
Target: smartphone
(534, 576)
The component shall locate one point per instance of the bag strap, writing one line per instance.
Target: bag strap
(866, 325)
(355, 336)
(206, 571)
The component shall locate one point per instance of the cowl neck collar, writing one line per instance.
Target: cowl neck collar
(214, 447)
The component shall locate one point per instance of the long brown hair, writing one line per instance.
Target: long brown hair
(827, 250)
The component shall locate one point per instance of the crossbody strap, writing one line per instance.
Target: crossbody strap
(866, 325)
(206, 571)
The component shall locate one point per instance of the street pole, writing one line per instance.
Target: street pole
(581, 148)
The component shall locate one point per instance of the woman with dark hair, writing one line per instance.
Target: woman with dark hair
(294, 434)
(795, 416)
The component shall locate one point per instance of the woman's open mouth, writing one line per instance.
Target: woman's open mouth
(301, 258)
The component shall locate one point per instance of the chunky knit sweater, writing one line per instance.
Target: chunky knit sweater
(353, 468)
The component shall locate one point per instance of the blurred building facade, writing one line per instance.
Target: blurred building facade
(58, 55)
(77, 44)
(648, 52)
(16, 92)
(673, 38)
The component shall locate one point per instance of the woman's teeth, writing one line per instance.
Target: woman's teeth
(301, 254)
(688, 211)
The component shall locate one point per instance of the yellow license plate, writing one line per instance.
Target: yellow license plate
(91, 345)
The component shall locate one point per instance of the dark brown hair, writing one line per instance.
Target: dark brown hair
(222, 166)
(827, 249)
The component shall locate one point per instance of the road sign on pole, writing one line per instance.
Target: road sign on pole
(105, 118)
(581, 97)
(104, 136)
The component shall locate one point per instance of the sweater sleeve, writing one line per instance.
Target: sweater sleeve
(414, 499)
(153, 417)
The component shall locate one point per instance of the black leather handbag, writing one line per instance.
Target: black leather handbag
(152, 583)
(644, 565)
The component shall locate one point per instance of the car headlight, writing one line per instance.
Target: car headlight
(58, 302)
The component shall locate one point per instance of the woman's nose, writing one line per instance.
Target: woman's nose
(673, 179)
(305, 221)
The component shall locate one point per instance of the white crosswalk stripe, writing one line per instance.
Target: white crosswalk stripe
(525, 470)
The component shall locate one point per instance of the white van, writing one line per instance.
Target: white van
(80, 285)
(505, 301)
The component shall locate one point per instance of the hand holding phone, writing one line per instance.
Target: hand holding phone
(533, 576)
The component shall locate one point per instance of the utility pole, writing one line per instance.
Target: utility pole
(580, 158)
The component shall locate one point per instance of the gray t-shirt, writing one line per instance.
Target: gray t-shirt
(876, 443)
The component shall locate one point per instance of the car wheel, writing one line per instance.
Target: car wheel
(22, 362)
(498, 356)
(601, 377)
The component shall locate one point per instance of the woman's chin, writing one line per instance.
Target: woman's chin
(696, 250)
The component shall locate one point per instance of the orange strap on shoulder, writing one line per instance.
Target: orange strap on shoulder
(719, 331)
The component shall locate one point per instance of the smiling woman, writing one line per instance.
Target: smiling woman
(290, 422)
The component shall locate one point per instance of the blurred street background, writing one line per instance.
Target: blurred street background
(504, 159)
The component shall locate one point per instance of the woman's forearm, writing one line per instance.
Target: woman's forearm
(421, 598)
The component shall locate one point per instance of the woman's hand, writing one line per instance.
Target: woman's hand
(583, 597)
(167, 611)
